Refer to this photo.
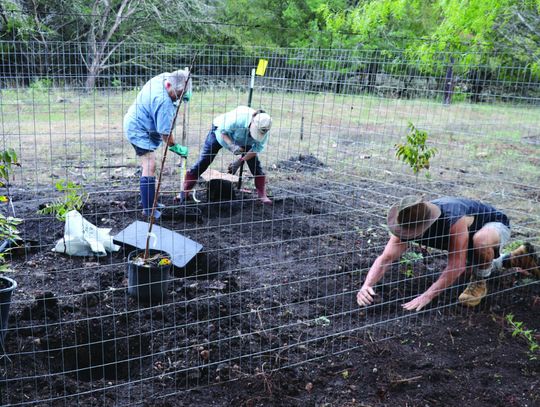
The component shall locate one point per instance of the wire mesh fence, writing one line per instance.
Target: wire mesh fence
(272, 286)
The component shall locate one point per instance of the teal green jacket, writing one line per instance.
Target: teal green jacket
(235, 124)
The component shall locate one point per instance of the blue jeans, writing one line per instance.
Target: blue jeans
(208, 154)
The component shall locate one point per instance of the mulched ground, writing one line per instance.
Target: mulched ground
(265, 315)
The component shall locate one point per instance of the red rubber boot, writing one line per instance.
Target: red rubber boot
(260, 186)
(190, 181)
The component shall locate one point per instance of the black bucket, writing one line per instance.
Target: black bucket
(220, 190)
(5, 302)
(147, 283)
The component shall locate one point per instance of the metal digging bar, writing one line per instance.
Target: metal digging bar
(158, 186)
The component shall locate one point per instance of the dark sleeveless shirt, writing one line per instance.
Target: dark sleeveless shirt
(452, 210)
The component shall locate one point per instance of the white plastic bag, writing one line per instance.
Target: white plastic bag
(81, 238)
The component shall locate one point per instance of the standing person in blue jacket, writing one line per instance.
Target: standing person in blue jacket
(148, 122)
(241, 131)
(473, 234)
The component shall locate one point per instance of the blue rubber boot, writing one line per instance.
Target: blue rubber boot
(148, 193)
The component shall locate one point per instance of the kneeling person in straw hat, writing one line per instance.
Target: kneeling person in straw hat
(472, 232)
(242, 130)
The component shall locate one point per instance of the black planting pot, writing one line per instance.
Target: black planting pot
(5, 302)
(147, 283)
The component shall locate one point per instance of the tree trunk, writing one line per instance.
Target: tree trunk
(93, 72)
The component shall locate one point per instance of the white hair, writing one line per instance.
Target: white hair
(178, 79)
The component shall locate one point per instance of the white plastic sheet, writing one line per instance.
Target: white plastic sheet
(81, 238)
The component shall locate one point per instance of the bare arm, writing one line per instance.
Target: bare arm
(393, 251)
(457, 262)
(168, 139)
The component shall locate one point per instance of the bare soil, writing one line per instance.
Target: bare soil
(264, 316)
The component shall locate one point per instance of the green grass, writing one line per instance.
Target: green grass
(481, 147)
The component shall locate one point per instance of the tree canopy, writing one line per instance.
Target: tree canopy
(490, 33)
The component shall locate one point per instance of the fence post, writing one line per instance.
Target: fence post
(449, 83)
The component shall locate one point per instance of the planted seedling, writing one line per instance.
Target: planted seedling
(408, 260)
(414, 152)
(157, 260)
(74, 197)
(519, 329)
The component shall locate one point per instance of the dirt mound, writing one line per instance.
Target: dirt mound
(301, 163)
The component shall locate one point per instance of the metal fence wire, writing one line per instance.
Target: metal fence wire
(272, 286)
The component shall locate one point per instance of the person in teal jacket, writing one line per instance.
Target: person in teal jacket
(147, 124)
(244, 132)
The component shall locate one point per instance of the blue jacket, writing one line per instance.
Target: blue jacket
(150, 116)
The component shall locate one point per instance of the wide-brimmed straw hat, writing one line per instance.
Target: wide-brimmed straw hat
(411, 217)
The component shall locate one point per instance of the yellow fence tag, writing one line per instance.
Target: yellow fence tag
(261, 67)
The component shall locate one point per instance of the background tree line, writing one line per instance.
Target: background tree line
(443, 38)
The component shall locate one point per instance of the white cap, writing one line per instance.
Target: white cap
(260, 125)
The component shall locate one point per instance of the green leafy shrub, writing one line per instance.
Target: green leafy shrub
(42, 84)
(8, 224)
(73, 198)
(414, 152)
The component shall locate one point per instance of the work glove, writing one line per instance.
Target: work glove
(233, 167)
(181, 150)
(187, 96)
(236, 150)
